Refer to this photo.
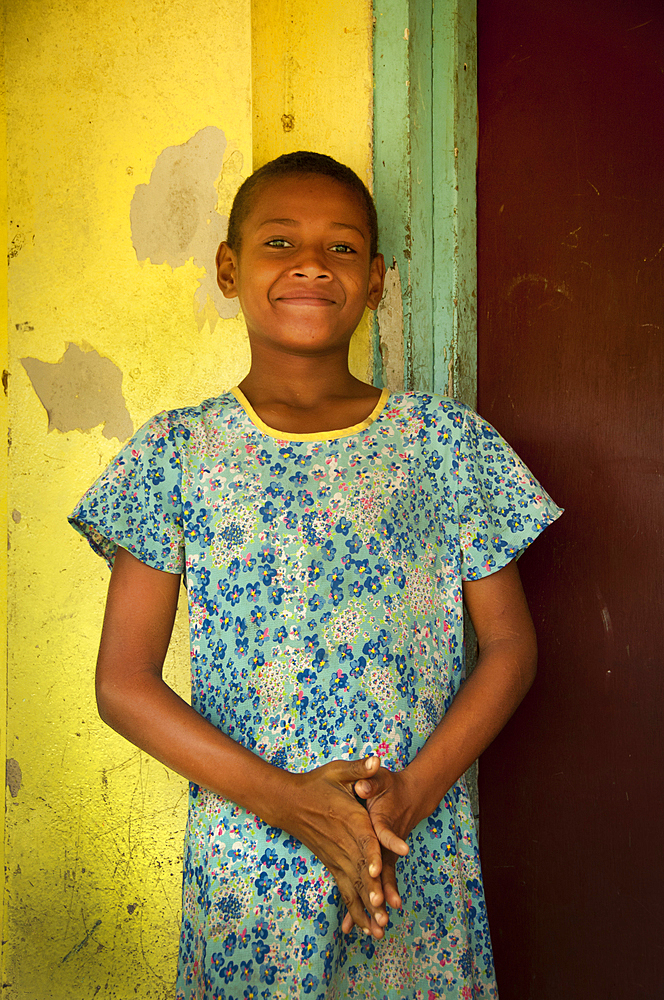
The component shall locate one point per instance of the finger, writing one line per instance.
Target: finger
(374, 929)
(355, 912)
(392, 897)
(371, 922)
(370, 860)
(389, 839)
(368, 884)
(358, 915)
(359, 877)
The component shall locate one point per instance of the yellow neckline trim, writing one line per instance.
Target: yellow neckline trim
(316, 435)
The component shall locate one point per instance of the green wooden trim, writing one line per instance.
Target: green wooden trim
(392, 149)
(420, 352)
(425, 159)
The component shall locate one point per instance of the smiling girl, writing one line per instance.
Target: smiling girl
(328, 534)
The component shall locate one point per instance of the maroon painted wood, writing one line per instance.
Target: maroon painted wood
(571, 328)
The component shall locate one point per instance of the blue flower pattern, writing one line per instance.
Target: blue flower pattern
(324, 587)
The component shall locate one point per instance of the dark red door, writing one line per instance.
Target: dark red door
(571, 327)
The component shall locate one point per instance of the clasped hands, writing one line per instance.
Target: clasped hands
(358, 843)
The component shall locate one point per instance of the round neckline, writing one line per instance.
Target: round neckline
(315, 435)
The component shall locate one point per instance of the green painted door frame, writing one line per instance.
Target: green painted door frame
(425, 165)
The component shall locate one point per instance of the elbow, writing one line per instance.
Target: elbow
(110, 701)
(104, 704)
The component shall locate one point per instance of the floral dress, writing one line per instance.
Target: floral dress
(323, 574)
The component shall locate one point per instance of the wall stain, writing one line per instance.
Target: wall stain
(81, 391)
(14, 776)
(551, 293)
(175, 217)
(17, 245)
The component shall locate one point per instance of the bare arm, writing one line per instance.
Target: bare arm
(505, 669)
(504, 672)
(318, 807)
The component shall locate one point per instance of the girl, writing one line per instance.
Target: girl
(328, 534)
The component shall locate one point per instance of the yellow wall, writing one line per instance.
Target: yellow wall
(97, 94)
(312, 88)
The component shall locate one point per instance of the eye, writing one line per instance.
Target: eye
(342, 248)
(279, 244)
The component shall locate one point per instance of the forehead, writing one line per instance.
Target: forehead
(306, 198)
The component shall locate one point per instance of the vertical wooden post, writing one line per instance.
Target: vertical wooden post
(425, 160)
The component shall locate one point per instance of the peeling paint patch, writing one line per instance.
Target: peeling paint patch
(16, 516)
(81, 391)
(390, 326)
(14, 776)
(175, 218)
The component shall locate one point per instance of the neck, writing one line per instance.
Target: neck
(304, 394)
(301, 382)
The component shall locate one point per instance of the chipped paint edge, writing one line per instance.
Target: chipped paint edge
(389, 318)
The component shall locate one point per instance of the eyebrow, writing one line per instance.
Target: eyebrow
(294, 222)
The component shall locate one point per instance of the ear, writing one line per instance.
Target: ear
(376, 281)
(227, 270)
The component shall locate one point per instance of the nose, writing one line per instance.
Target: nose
(311, 263)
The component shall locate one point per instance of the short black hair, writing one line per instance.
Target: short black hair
(302, 162)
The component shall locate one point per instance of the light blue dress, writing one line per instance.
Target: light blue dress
(323, 574)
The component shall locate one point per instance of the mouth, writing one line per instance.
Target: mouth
(306, 300)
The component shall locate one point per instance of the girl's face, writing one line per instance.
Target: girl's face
(303, 273)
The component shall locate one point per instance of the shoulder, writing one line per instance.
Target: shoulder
(212, 409)
(178, 423)
(429, 410)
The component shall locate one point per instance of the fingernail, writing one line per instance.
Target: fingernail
(365, 930)
(374, 898)
(373, 871)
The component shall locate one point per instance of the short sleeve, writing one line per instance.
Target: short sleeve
(501, 506)
(136, 503)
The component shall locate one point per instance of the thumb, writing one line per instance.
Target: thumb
(367, 787)
(358, 770)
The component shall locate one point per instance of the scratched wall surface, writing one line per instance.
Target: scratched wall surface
(115, 131)
(130, 126)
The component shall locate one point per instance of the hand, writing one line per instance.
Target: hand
(325, 815)
(388, 799)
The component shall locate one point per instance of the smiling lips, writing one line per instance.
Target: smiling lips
(306, 298)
